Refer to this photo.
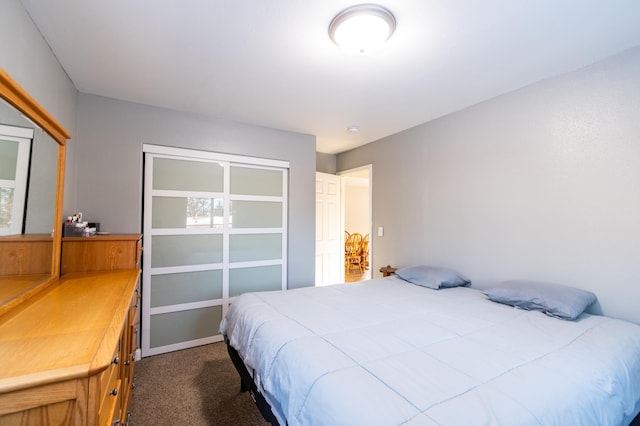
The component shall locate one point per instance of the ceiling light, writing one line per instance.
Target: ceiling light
(353, 129)
(363, 28)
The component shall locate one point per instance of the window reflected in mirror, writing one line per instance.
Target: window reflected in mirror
(15, 153)
(28, 167)
(187, 212)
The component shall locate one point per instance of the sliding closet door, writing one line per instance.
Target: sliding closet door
(214, 228)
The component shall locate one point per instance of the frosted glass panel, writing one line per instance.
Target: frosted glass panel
(169, 212)
(177, 250)
(247, 181)
(259, 278)
(255, 214)
(8, 159)
(187, 212)
(183, 326)
(244, 248)
(187, 287)
(183, 175)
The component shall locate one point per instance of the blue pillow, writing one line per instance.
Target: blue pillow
(432, 276)
(553, 299)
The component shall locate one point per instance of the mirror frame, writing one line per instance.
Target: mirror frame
(16, 96)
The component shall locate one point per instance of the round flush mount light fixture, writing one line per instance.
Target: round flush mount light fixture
(363, 28)
(353, 129)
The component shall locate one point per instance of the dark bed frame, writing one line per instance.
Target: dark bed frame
(247, 384)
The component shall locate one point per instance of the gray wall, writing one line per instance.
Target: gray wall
(110, 135)
(27, 58)
(326, 163)
(541, 183)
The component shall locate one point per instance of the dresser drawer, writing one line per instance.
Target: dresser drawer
(111, 406)
(108, 379)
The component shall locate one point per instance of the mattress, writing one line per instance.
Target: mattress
(387, 352)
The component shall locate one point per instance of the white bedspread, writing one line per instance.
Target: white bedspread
(386, 352)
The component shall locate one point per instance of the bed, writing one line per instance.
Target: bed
(389, 352)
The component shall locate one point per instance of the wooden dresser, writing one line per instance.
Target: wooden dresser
(25, 254)
(101, 253)
(68, 354)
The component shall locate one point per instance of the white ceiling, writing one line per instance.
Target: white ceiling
(271, 62)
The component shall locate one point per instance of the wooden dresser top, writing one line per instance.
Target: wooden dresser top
(105, 237)
(68, 332)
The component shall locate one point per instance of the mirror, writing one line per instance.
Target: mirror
(34, 215)
(31, 259)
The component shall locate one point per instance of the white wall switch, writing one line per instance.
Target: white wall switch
(380, 231)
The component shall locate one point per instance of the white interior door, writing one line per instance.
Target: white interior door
(329, 241)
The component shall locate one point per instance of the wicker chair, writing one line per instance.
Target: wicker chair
(352, 253)
(364, 252)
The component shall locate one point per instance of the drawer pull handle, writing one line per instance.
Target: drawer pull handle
(114, 392)
(116, 360)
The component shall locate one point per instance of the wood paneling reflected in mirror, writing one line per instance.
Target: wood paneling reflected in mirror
(31, 262)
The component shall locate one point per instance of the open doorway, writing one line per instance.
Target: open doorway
(357, 218)
(343, 205)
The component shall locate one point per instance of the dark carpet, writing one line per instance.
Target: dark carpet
(197, 386)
